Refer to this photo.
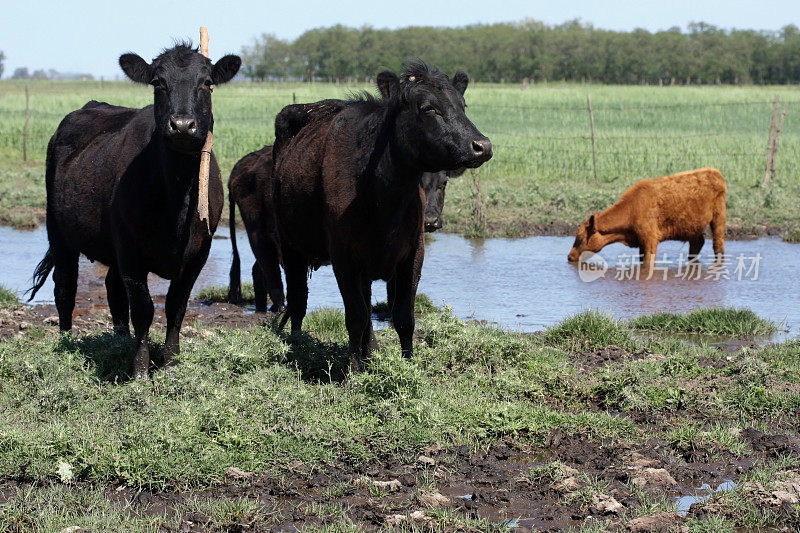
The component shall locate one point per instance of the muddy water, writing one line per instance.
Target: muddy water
(520, 284)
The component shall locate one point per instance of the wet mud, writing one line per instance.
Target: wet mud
(568, 481)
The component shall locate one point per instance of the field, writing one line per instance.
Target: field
(591, 425)
(541, 178)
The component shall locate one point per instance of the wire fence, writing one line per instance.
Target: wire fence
(530, 139)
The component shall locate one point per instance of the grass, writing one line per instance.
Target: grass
(728, 322)
(219, 293)
(71, 422)
(8, 299)
(542, 168)
(589, 331)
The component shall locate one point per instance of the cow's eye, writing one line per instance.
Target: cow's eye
(428, 110)
(209, 84)
(158, 83)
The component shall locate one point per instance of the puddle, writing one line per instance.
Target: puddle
(683, 503)
(518, 284)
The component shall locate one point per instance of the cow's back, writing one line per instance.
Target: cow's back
(681, 205)
(88, 152)
(298, 192)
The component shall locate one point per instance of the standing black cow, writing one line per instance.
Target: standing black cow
(249, 187)
(347, 192)
(122, 188)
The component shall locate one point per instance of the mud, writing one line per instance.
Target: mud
(91, 313)
(511, 484)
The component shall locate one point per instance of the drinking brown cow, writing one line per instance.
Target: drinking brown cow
(676, 207)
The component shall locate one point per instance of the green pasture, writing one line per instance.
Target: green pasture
(542, 170)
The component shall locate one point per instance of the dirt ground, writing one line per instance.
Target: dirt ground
(509, 484)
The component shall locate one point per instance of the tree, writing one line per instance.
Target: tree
(2, 60)
(574, 51)
(21, 73)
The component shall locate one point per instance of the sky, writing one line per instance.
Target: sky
(89, 35)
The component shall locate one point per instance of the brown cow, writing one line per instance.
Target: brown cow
(676, 207)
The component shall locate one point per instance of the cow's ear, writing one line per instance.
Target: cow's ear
(136, 68)
(388, 84)
(591, 228)
(225, 69)
(460, 81)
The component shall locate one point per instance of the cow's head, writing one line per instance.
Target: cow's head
(589, 238)
(434, 185)
(182, 81)
(433, 131)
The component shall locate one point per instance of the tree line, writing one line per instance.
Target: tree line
(533, 51)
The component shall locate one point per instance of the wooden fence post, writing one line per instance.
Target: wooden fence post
(775, 105)
(774, 136)
(205, 153)
(594, 142)
(27, 121)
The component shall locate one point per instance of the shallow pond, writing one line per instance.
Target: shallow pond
(520, 284)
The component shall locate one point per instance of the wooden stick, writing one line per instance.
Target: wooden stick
(205, 154)
(775, 142)
(594, 143)
(767, 173)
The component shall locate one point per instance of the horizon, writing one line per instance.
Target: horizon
(147, 34)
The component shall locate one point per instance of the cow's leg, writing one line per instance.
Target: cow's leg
(296, 268)
(264, 243)
(65, 279)
(117, 301)
(368, 341)
(356, 312)
(141, 304)
(718, 228)
(649, 249)
(405, 291)
(259, 289)
(695, 245)
(178, 296)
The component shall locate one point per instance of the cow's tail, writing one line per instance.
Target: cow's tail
(235, 285)
(40, 274)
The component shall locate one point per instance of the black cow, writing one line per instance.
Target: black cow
(249, 187)
(347, 192)
(122, 189)
(434, 185)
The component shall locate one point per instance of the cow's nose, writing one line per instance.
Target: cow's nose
(482, 148)
(182, 124)
(432, 224)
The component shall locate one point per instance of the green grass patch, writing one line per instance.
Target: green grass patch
(253, 399)
(8, 298)
(590, 330)
(219, 293)
(728, 322)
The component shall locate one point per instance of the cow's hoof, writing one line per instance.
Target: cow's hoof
(140, 375)
(356, 365)
(277, 308)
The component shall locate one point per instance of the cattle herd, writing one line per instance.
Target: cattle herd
(352, 183)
